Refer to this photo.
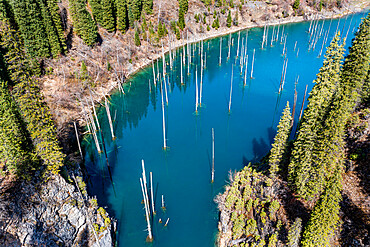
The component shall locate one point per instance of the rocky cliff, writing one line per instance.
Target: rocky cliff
(54, 213)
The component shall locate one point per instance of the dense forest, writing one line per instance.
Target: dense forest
(310, 165)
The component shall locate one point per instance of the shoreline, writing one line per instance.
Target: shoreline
(225, 31)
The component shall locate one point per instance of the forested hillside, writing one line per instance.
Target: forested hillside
(306, 172)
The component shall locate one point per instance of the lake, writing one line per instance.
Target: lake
(182, 173)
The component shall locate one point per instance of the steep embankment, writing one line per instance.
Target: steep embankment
(54, 213)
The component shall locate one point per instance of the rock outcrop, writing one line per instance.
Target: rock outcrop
(54, 213)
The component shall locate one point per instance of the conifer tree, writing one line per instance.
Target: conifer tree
(137, 38)
(160, 30)
(37, 116)
(303, 175)
(108, 15)
(229, 20)
(131, 16)
(51, 31)
(14, 147)
(329, 150)
(31, 26)
(183, 9)
(84, 25)
(96, 9)
(16, 63)
(54, 13)
(122, 21)
(325, 216)
(280, 141)
(148, 6)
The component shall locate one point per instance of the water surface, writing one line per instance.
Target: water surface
(183, 172)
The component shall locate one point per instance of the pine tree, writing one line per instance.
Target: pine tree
(229, 20)
(280, 141)
(305, 177)
(183, 9)
(84, 25)
(122, 20)
(137, 38)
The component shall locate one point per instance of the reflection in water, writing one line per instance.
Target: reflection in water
(182, 174)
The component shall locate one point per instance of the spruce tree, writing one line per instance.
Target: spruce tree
(51, 31)
(14, 147)
(108, 21)
(229, 20)
(303, 175)
(148, 6)
(122, 21)
(324, 219)
(31, 26)
(17, 64)
(160, 30)
(280, 141)
(54, 13)
(83, 24)
(137, 38)
(96, 9)
(329, 150)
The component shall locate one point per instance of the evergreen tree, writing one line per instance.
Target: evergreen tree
(216, 23)
(136, 6)
(160, 30)
(122, 20)
(229, 20)
(181, 21)
(280, 141)
(51, 31)
(54, 13)
(108, 21)
(84, 25)
(96, 9)
(11, 42)
(31, 26)
(37, 116)
(325, 216)
(148, 6)
(131, 16)
(14, 147)
(305, 177)
(183, 9)
(137, 38)
(329, 150)
(296, 5)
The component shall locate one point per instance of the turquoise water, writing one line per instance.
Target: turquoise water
(183, 173)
